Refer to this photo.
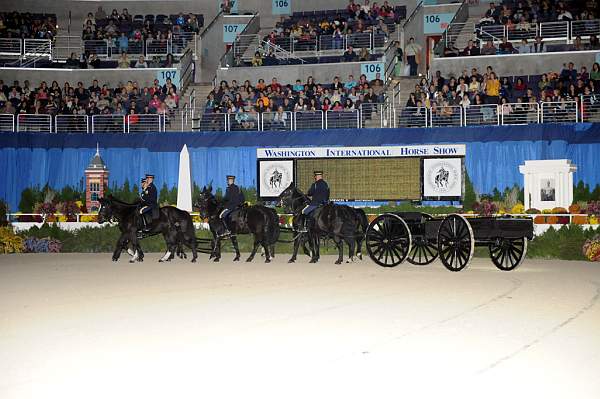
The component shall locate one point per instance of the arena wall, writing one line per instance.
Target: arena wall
(492, 160)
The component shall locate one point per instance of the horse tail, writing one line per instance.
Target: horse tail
(272, 226)
(362, 220)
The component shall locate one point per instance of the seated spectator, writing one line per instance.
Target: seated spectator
(73, 61)
(93, 61)
(451, 51)
(257, 60)
(471, 49)
(520, 85)
(141, 62)
(364, 55)
(488, 48)
(538, 46)
(506, 47)
(568, 73)
(349, 55)
(594, 43)
(523, 47)
(351, 83)
(578, 44)
(123, 61)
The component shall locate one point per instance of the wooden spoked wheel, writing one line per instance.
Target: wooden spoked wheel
(456, 243)
(508, 253)
(422, 252)
(388, 240)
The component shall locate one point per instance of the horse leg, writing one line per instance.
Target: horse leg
(359, 241)
(217, 250)
(234, 242)
(340, 245)
(119, 247)
(267, 251)
(254, 249)
(191, 243)
(314, 247)
(351, 248)
(170, 239)
(136, 245)
(296, 246)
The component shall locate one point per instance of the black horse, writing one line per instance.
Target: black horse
(258, 220)
(341, 223)
(175, 225)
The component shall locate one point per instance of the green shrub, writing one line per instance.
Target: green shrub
(564, 243)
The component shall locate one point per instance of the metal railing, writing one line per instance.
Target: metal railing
(100, 47)
(108, 124)
(590, 108)
(370, 115)
(276, 121)
(11, 47)
(37, 48)
(480, 115)
(519, 113)
(445, 115)
(157, 48)
(554, 30)
(343, 119)
(243, 121)
(410, 117)
(139, 123)
(188, 118)
(41, 123)
(309, 120)
(209, 121)
(7, 123)
(559, 112)
(585, 28)
(71, 124)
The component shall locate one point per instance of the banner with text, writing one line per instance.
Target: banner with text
(363, 152)
(230, 31)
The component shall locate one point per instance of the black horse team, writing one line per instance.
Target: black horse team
(315, 218)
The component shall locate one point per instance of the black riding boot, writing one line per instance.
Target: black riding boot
(226, 232)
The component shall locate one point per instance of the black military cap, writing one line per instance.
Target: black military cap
(149, 175)
(231, 177)
(318, 173)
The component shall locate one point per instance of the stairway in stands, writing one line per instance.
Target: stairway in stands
(201, 91)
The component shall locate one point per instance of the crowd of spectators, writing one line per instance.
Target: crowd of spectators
(27, 25)
(123, 29)
(246, 101)
(441, 95)
(332, 30)
(519, 18)
(53, 99)
(520, 15)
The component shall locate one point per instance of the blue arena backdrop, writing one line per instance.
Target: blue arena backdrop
(493, 154)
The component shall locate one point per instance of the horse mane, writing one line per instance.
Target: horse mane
(123, 203)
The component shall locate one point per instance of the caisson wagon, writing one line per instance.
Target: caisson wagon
(420, 238)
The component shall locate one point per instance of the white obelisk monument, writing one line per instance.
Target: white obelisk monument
(184, 185)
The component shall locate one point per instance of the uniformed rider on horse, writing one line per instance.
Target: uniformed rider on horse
(233, 199)
(319, 195)
(149, 201)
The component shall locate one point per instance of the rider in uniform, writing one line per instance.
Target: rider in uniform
(149, 200)
(319, 195)
(233, 198)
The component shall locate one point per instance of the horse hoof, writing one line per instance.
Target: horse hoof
(236, 259)
(313, 261)
(267, 260)
(194, 260)
(160, 261)
(216, 259)
(338, 262)
(132, 261)
(292, 261)
(115, 259)
(249, 259)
